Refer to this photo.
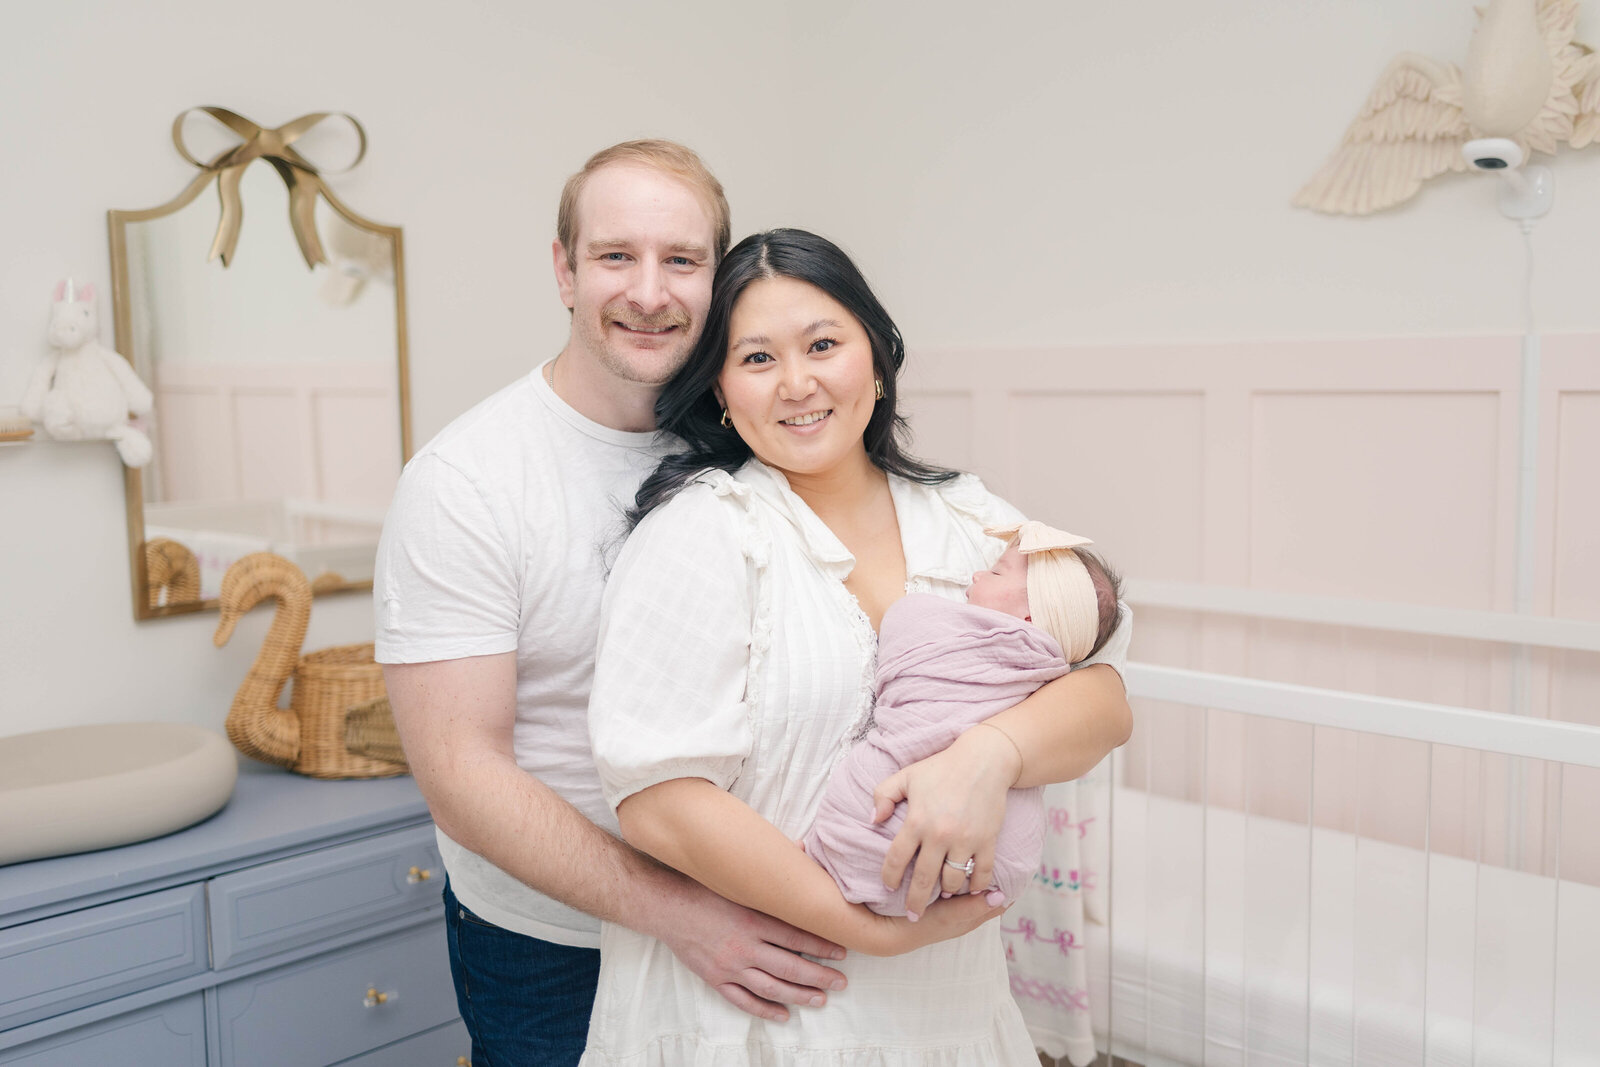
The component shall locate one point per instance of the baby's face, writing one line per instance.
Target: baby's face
(1004, 587)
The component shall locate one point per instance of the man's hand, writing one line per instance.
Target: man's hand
(956, 801)
(751, 959)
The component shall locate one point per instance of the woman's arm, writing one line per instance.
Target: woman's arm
(956, 798)
(1067, 727)
(722, 843)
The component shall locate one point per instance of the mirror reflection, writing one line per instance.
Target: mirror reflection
(279, 420)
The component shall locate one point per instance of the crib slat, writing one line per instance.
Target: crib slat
(1427, 900)
(1311, 872)
(1555, 926)
(1205, 884)
(1477, 896)
(1355, 930)
(1245, 778)
(1576, 1034)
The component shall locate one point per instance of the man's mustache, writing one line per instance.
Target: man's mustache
(634, 321)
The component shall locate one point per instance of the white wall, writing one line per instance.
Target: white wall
(1052, 173)
(476, 117)
(1028, 175)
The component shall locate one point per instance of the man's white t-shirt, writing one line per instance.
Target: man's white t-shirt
(496, 542)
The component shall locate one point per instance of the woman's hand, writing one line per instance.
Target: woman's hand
(943, 920)
(955, 803)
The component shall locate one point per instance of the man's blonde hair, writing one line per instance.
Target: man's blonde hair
(668, 157)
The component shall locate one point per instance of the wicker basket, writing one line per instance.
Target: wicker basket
(328, 684)
(369, 730)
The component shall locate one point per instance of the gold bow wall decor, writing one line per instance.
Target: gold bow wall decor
(276, 147)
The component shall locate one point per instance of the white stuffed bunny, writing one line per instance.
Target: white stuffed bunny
(83, 391)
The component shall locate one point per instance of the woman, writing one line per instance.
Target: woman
(736, 662)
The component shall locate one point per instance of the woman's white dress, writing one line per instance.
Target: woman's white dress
(730, 650)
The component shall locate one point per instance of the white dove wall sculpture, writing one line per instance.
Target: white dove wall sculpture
(1525, 79)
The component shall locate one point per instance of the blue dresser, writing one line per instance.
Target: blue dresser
(300, 926)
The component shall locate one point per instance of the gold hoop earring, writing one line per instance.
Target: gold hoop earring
(878, 382)
(727, 423)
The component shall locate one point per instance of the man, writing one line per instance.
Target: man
(488, 600)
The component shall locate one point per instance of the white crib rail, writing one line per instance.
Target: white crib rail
(1559, 742)
(1213, 981)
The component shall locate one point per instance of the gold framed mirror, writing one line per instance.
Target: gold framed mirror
(278, 360)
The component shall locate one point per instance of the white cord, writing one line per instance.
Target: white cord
(1528, 446)
(1527, 277)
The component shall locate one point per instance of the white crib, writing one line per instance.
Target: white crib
(1235, 937)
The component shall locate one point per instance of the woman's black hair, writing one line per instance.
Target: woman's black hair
(688, 408)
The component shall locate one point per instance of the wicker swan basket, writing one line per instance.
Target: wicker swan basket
(172, 573)
(308, 736)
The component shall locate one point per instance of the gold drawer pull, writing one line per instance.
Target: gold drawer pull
(418, 874)
(374, 998)
(462, 1061)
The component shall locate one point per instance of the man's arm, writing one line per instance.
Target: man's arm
(455, 719)
(957, 797)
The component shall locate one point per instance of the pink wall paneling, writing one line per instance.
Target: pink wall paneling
(1379, 469)
(942, 424)
(1380, 494)
(1064, 467)
(195, 445)
(351, 427)
(246, 431)
(276, 456)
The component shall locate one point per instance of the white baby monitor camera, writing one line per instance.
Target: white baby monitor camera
(1492, 153)
(1525, 192)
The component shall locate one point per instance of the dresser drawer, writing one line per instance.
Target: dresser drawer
(57, 964)
(320, 1011)
(299, 901)
(172, 1034)
(448, 1046)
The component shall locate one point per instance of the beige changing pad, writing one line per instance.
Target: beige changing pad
(87, 787)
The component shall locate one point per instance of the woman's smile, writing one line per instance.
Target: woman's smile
(802, 422)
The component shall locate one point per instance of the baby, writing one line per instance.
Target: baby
(943, 667)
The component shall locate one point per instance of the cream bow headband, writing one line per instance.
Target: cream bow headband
(1061, 596)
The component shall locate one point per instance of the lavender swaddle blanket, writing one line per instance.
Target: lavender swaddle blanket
(943, 667)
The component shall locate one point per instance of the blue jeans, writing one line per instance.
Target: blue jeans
(526, 1002)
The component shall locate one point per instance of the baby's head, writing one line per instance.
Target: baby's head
(1046, 577)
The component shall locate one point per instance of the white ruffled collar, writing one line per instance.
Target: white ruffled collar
(934, 547)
